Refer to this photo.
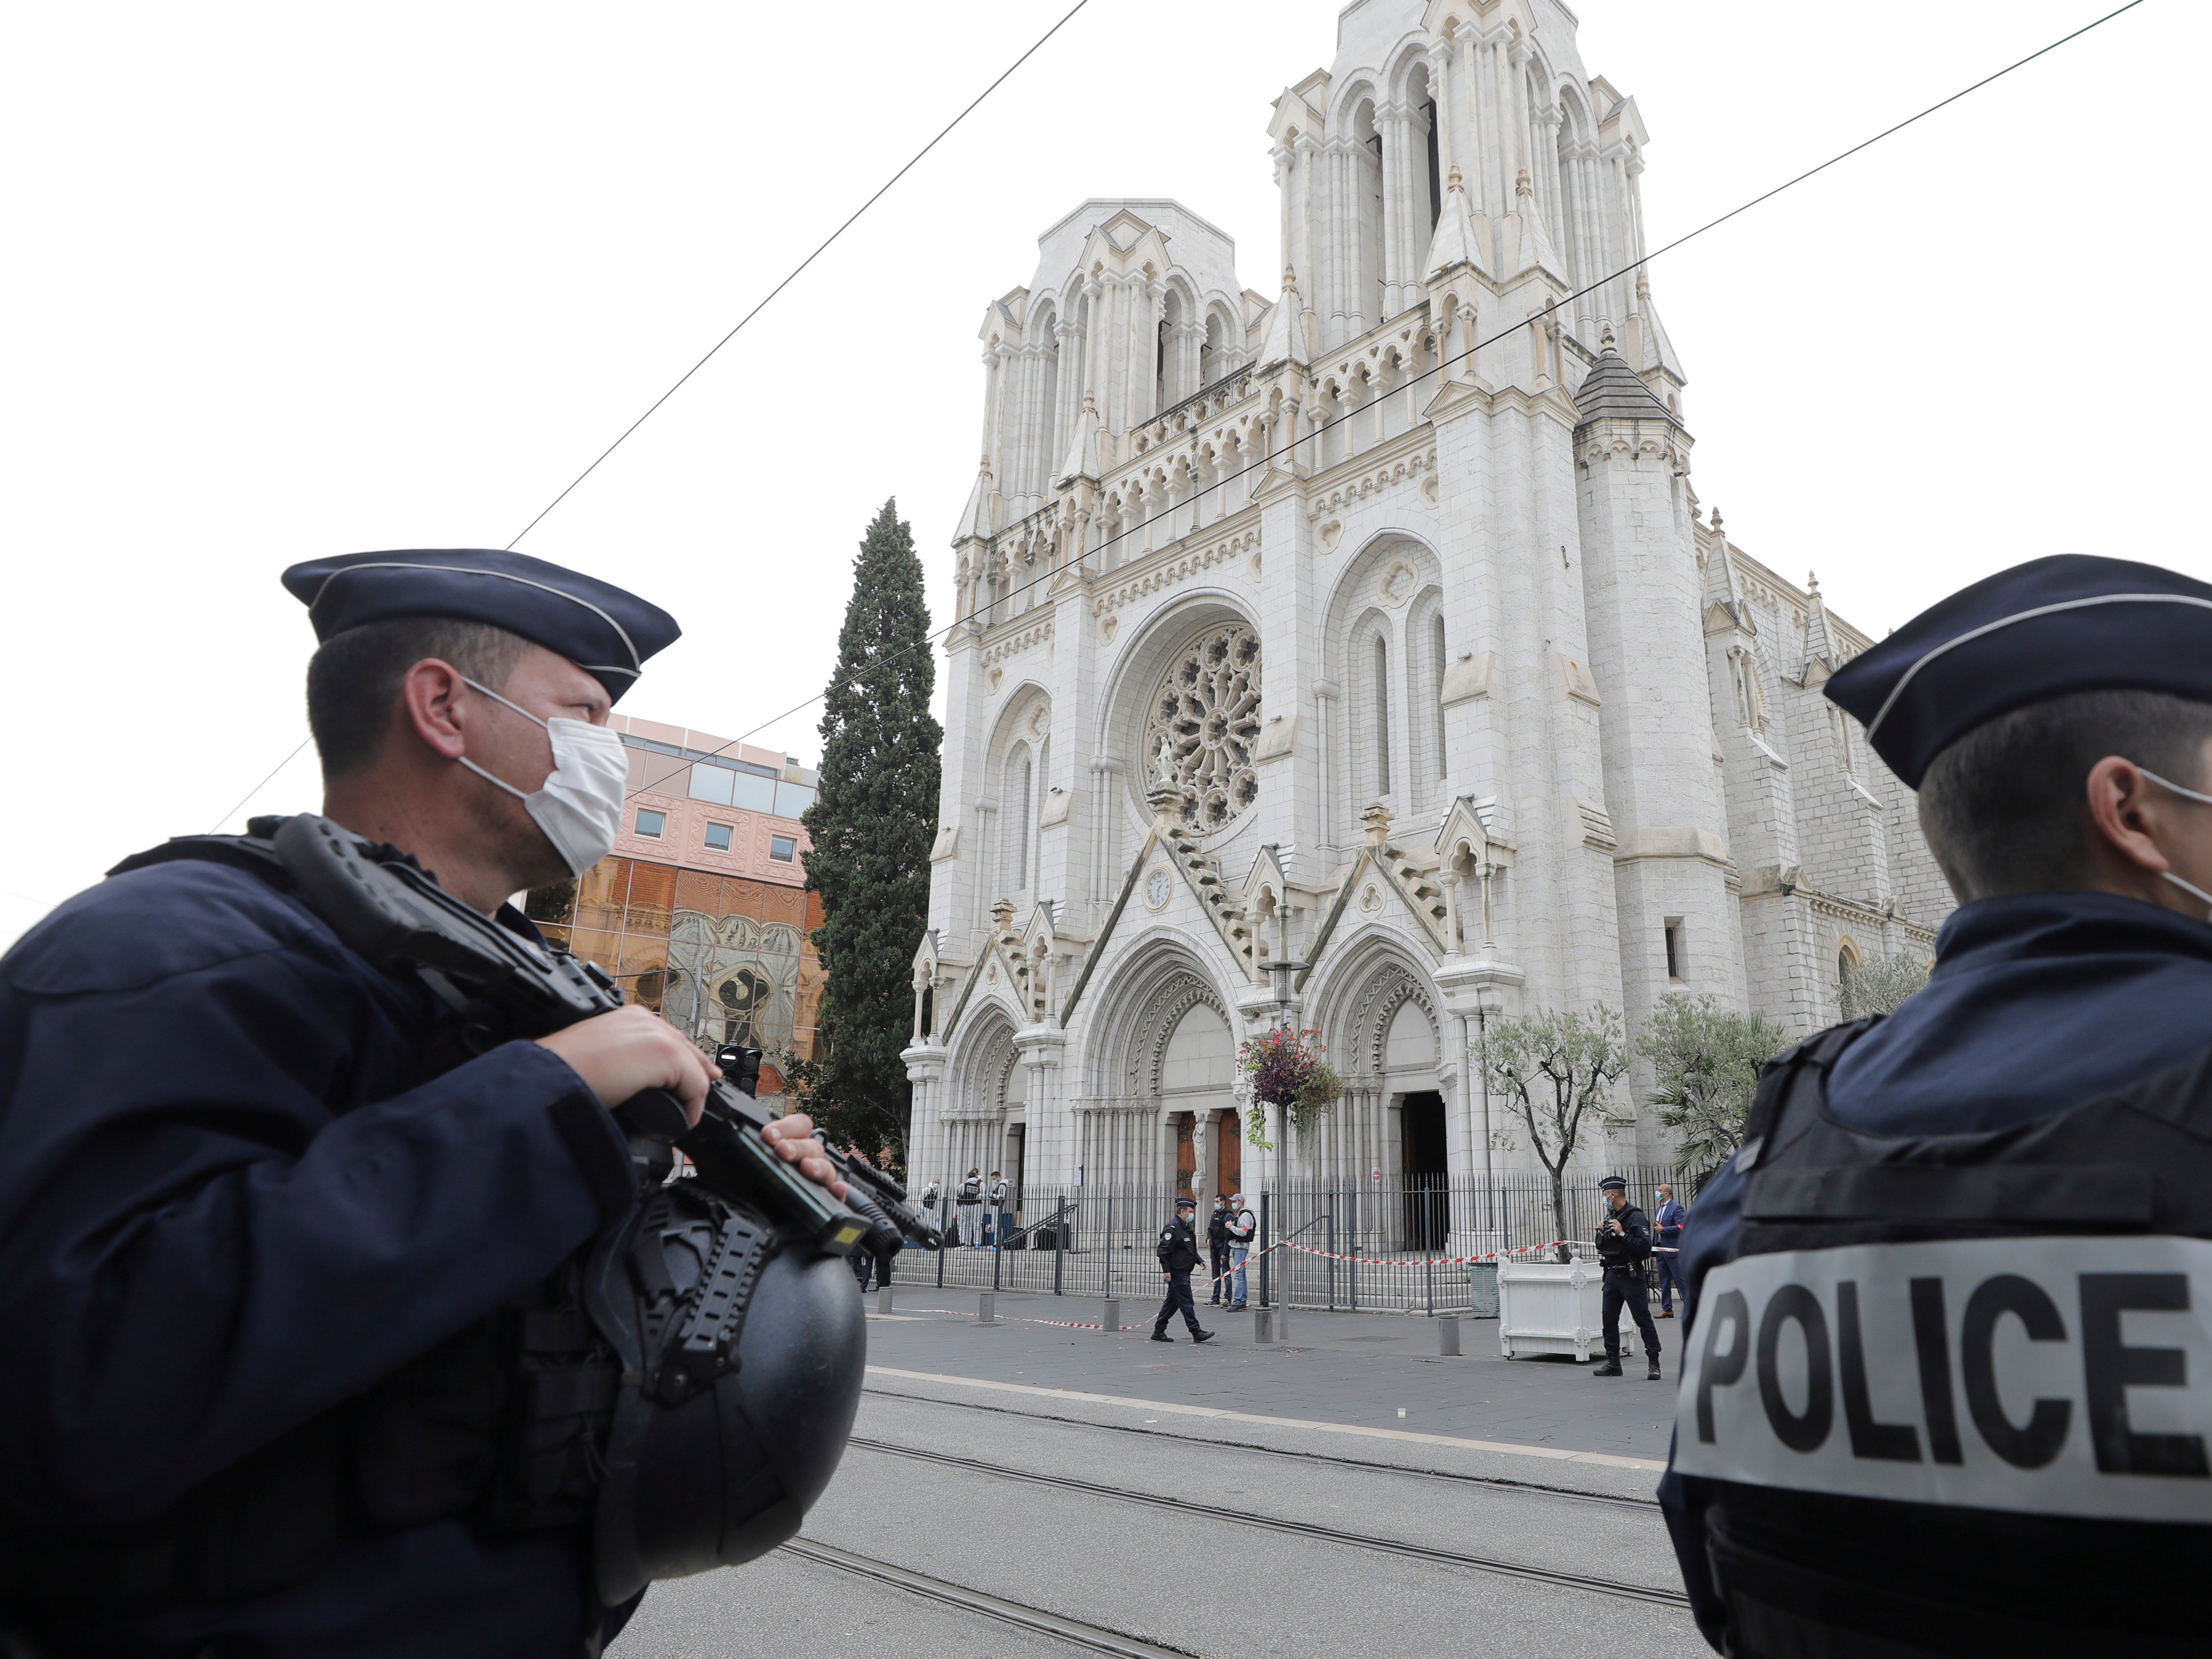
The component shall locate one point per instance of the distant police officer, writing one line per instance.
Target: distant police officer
(267, 1252)
(1949, 1308)
(1623, 1245)
(1217, 1248)
(1177, 1250)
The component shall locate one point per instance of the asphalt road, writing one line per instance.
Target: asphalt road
(1027, 1488)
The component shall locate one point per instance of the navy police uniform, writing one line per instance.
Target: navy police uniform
(1946, 1338)
(1623, 1254)
(1178, 1251)
(251, 1210)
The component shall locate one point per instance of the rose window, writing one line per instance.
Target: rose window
(1207, 713)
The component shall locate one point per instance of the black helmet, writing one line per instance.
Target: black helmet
(742, 1362)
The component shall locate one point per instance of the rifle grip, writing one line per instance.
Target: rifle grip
(655, 1114)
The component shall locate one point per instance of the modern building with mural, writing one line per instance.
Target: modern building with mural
(701, 912)
(1356, 653)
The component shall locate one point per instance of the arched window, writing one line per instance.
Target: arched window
(1437, 688)
(1436, 191)
(1381, 706)
(1047, 454)
(1022, 826)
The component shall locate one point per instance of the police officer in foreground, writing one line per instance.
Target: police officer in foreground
(1177, 1250)
(1948, 1353)
(1623, 1245)
(267, 1253)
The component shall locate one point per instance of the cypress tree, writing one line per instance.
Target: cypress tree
(872, 826)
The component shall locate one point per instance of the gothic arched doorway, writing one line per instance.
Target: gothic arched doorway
(1424, 1147)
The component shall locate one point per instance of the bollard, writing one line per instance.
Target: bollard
(985, 1302)
(1263, 1324)
(1109, 1317)
(1447, 1336)
(883, 1300)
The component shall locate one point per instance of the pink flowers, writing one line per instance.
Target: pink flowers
(1286, 1069)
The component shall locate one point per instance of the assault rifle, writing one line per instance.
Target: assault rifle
(741, 1069)
(504, 987)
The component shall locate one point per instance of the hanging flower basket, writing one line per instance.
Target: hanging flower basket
(1285, 1069)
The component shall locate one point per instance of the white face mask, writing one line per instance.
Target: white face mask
(2190, 888)
(579, 806)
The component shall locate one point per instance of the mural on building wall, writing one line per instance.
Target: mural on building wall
(725, 958)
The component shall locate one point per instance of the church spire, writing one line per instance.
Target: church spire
(1283, 341)
(1821, 656)
(1536, 251)
(974, 521)
(1457, 242)
(1082, 460)
(1721, 587)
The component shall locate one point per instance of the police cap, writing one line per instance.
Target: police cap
(605, 631)
(1613, 1184)
(2039, 630)
(1186, 1202)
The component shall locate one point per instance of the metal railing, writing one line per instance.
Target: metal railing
(1383, 1246)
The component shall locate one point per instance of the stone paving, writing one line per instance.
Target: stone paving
(1358, 1368)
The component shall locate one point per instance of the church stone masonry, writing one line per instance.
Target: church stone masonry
(1281, 644)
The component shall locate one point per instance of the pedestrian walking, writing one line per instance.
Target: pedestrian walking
(1177, 1250)
(1668, 1251)
(967, 1200)
(1623, 1245)
(1241, 1226)
(1217, 1248)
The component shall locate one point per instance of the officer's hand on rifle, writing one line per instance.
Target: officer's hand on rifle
(625, 1052)
(794, 1139)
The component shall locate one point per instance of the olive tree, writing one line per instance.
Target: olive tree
(1705, 1059)
(1555, 1068)
(1877, 985)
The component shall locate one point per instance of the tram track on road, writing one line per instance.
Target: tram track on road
(1526, 1570)
(1487, 1482)
(1095, 1638)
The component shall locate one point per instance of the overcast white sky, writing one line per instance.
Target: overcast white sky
(291, 280)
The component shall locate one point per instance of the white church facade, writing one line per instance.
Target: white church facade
(1291, 633)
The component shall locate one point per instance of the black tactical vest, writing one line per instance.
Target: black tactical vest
(684, 1388)
(1955, 1391)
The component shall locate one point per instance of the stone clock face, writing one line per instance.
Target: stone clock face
(1157, 886)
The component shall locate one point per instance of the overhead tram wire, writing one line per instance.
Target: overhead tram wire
(259, 788)
(1317, 430)
(795, 273)
(796, 269)
(1444, 363)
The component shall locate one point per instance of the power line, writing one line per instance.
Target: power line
(1315, 432)
(801, 266)
(259, 786)
(1444, 363)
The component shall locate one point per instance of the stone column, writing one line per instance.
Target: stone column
(1551, 195)
(1091, 380)
(1390, 124)
(1440, 88)
(1069, 392)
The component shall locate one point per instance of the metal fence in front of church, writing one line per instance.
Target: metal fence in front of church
(1403, 1246)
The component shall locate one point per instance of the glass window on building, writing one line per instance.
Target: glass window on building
(784, 849)
(752, 794)
(651, 823)
(718, 837)
(711, 783)
(792, 799)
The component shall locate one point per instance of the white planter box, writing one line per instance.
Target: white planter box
(1549, 1307)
